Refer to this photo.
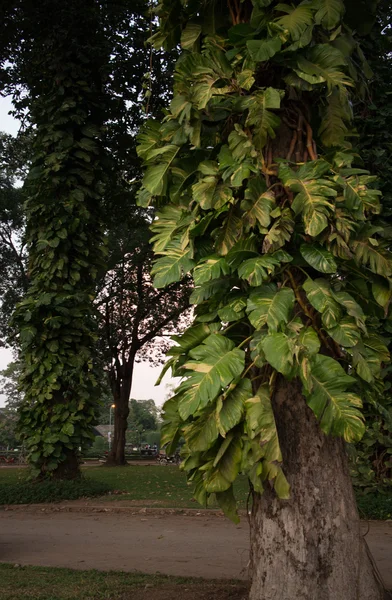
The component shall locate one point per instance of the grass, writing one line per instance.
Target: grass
(146, 485)
(42, 583)
(154, 486)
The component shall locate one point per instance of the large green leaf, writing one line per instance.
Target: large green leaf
(323, 64)
(258, 204)
(312, 199)
(297, 18)
(329, 12)
(260, 115)
(346, 332)
(279, 352)
(258, 270)
(212, 267)
(319, 258)
(214, 365)
(230, 232)
(336, 409)
(173, 266)
(230, 406)
(155, 178)
(263, 50)
(202, 433)
(270, 305)
(320, 296)
(226, 501)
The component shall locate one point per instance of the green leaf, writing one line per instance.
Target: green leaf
(258, 204)
(312, 199)
(320, 296)
(278, 350)
(260, 116)
(319, 258)
(258, 270)
(234, 309)
(202, 433)
(155, 178)
(263, 50)
(68, 429)
(345, 333)
(230, 233)
(322, 64)
(329, 13)
(190, 35)
(336, 409)
(211, 267)
(245, 248)
(216, 363)
(296, 20)
(268, 305)
(173, 266)
(230, 407)
(382, 293)
(227, 503)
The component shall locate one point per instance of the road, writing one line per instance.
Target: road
(201, 546)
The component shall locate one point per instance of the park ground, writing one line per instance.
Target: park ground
(148, 523)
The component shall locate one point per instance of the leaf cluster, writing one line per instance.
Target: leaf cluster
(291, 268)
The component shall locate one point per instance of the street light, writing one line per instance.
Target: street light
(112, 406)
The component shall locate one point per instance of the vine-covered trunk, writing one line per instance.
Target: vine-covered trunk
(309, 547)
(121, 411)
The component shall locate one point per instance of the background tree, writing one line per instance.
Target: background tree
(13, 258)
(292, 277)
(143, 414)
(133, 313)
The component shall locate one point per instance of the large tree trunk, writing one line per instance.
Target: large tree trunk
(121, 411)
(309, 547)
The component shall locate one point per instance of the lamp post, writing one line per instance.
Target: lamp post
(112, 406)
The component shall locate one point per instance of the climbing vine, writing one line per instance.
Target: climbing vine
(268, 211)
(65, 236)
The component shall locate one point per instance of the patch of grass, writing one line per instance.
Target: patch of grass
(155, 485)
(42, 583)
(375, 506)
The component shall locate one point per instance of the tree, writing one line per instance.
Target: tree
(143, 414)
(13, 259)
(133, 314)
(279, 229)
(60, 55)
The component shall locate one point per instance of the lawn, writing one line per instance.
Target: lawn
(42, 583)
(144, 485)
(151, 485)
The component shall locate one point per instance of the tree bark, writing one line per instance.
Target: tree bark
(309, 547)
(121, 397)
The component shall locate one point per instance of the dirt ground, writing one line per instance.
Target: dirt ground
(195, 544)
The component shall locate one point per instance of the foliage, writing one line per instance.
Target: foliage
(51, 491)
(143, 414)
(278, 226)
(375, 506)
(9, 385)
(64, 229)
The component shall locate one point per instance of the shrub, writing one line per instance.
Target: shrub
(51, 491)
(375, 506)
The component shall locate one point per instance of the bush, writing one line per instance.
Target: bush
(51, 491)
(372, 506)
(97, 448)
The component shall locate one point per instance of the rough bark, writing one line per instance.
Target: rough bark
(309, 547)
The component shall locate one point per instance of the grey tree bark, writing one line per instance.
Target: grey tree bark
(309, 547)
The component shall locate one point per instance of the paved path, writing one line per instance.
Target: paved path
(200, 546)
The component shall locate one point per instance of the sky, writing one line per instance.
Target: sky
(145, 375)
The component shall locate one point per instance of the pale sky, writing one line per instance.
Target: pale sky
(145, 375)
